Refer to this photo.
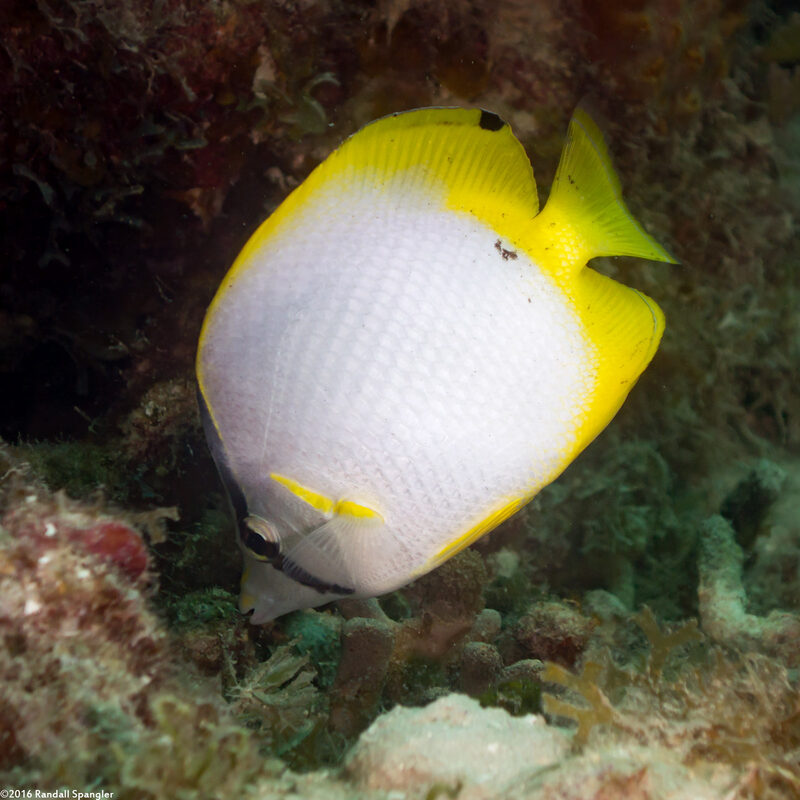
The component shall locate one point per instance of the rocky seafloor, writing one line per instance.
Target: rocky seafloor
(634, 632)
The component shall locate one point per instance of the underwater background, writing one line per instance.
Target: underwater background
(647, 603)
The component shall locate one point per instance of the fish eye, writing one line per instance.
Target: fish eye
(259, 538)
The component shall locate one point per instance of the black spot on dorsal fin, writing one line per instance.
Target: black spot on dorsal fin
(489, 121)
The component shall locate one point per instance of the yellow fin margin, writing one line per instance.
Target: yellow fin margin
(473, 534)
(625, 327)
(584, 217)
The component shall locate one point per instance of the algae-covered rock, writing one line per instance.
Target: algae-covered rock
(632, 773)
(140, 146)
(366, 649)
(723, 600)
(553, 631)
(472, 752)
(480, 668)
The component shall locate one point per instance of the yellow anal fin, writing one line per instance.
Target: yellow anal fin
(324, 504)
(585, 215)
(473, 534)
(625, 327)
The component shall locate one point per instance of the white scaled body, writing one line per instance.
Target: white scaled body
(431, 378)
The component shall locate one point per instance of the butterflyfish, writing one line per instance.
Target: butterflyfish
(407, 350)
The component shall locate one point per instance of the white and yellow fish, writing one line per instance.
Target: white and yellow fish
(408, 350)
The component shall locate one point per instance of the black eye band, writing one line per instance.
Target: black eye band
(258, 545)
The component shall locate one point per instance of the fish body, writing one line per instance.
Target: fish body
(408, 350)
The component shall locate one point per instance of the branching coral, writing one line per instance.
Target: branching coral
(600, 710)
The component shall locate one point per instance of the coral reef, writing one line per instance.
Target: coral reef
(367, 646)
(738, 711)
(81, 650)
(190, 750)
(552, 631)
(96, 691)
(668, 54)
(140, 144)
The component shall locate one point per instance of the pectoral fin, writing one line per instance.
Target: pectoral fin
(331, 555)
(328, 557)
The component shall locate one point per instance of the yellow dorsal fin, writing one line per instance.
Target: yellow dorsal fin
(472, 154)
(469, 156)
(585, 215)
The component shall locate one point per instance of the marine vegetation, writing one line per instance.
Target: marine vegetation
(141, 146)
(719, 706)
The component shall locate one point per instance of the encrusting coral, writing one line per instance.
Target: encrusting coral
(81, 649)
(91, 687)
(723, 601)
(141, 144)
(673, 53)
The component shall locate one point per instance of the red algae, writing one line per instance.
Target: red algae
(49, 521)
(118, 543)
(76, 627)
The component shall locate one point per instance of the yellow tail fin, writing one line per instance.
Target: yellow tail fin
(585, 216)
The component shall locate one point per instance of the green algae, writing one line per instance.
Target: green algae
(202, 608)
(317, 636)
(83, 468)
(518, 696)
